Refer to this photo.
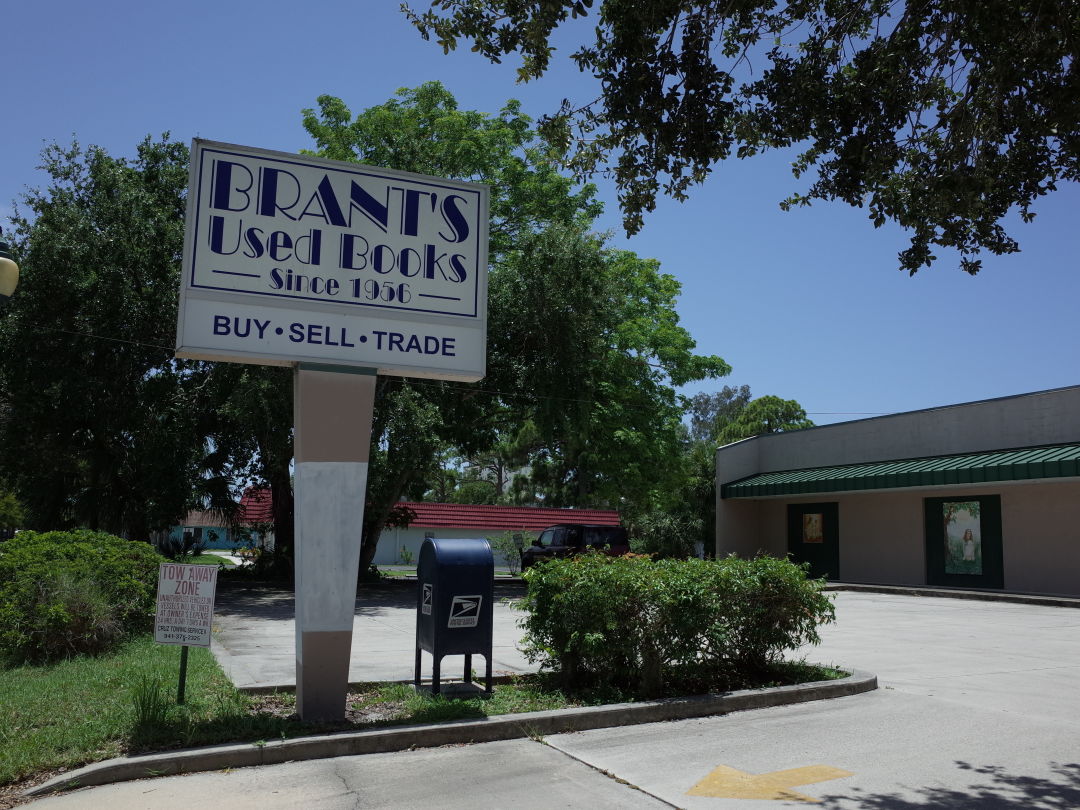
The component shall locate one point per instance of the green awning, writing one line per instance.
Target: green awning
(1058, 461)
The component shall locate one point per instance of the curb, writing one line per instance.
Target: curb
(501, 727)
(1042, 600)
(290, 688)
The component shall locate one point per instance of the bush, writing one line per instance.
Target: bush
(65, 593)
(505, 546)
(181, 549)
(664, 534)
(629, 622)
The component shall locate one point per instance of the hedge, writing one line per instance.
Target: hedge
(65, 593)
(626, 622)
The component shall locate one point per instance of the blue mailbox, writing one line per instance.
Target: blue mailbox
(453, 604)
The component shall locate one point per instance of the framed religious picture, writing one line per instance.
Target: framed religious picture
(812, 527)
(814, 537)
(963, 541)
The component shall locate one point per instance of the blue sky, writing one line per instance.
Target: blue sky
(806, 305)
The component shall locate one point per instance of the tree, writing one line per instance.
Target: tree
(766, 414)
(102, 428)
(252, 430)
(562, 306)
(709, 412)
(596, 353)
(728, 415)
(423, 130)
(11, 512)
(939, 116)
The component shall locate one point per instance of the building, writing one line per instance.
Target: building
(459, 520)
(978, 495)
(396, 545)
(254, 524)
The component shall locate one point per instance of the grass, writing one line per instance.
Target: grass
(209, 559)
(63, 715)
(59, 716)
(82, 709)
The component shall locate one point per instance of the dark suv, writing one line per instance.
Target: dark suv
(566, 539)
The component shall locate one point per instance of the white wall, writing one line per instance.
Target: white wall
(392, 541)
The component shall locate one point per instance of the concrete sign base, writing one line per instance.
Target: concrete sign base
(332, 417)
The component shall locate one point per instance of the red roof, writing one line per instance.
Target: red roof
(256, 506)
(506, 518)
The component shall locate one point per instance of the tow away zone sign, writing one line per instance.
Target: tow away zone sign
(185, 604)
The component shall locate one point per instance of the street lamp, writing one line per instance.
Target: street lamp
(9, 271)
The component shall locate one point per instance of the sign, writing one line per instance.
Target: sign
(185, 604)
(292, 258)
(464, 611)
(425, 602)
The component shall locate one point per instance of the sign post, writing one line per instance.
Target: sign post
(343, 272)
(185, 610)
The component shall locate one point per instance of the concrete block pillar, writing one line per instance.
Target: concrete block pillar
(332, 411)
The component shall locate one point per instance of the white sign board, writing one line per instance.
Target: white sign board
(292, 258)
(185, 604)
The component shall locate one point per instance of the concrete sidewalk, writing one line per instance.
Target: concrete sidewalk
(255, 637)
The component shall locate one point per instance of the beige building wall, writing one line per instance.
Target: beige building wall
(1040, 530)
(882, 532)
(883, 536)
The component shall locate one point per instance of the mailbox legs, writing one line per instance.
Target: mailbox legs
(332, 416)
(436, 670)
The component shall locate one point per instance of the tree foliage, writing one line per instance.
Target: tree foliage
(768, 414)
(102, 427)
(595, 350)
(423, 130)
(11, 511)
(583, 341)
(674, 528)
(710, 412)
(937, 115)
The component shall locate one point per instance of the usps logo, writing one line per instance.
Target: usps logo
(425, 603)
(464, 611)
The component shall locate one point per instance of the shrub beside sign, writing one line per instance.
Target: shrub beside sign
(293, 258)
(185, 604)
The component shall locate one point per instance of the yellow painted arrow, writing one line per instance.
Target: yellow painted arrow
(730, 783)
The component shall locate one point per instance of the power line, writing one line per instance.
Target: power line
(455, 386)
(113, 339)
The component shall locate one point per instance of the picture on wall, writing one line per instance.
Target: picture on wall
(813, 527)
(964, 547)
(962, 525)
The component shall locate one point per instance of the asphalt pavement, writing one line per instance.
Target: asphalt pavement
(978, 708)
